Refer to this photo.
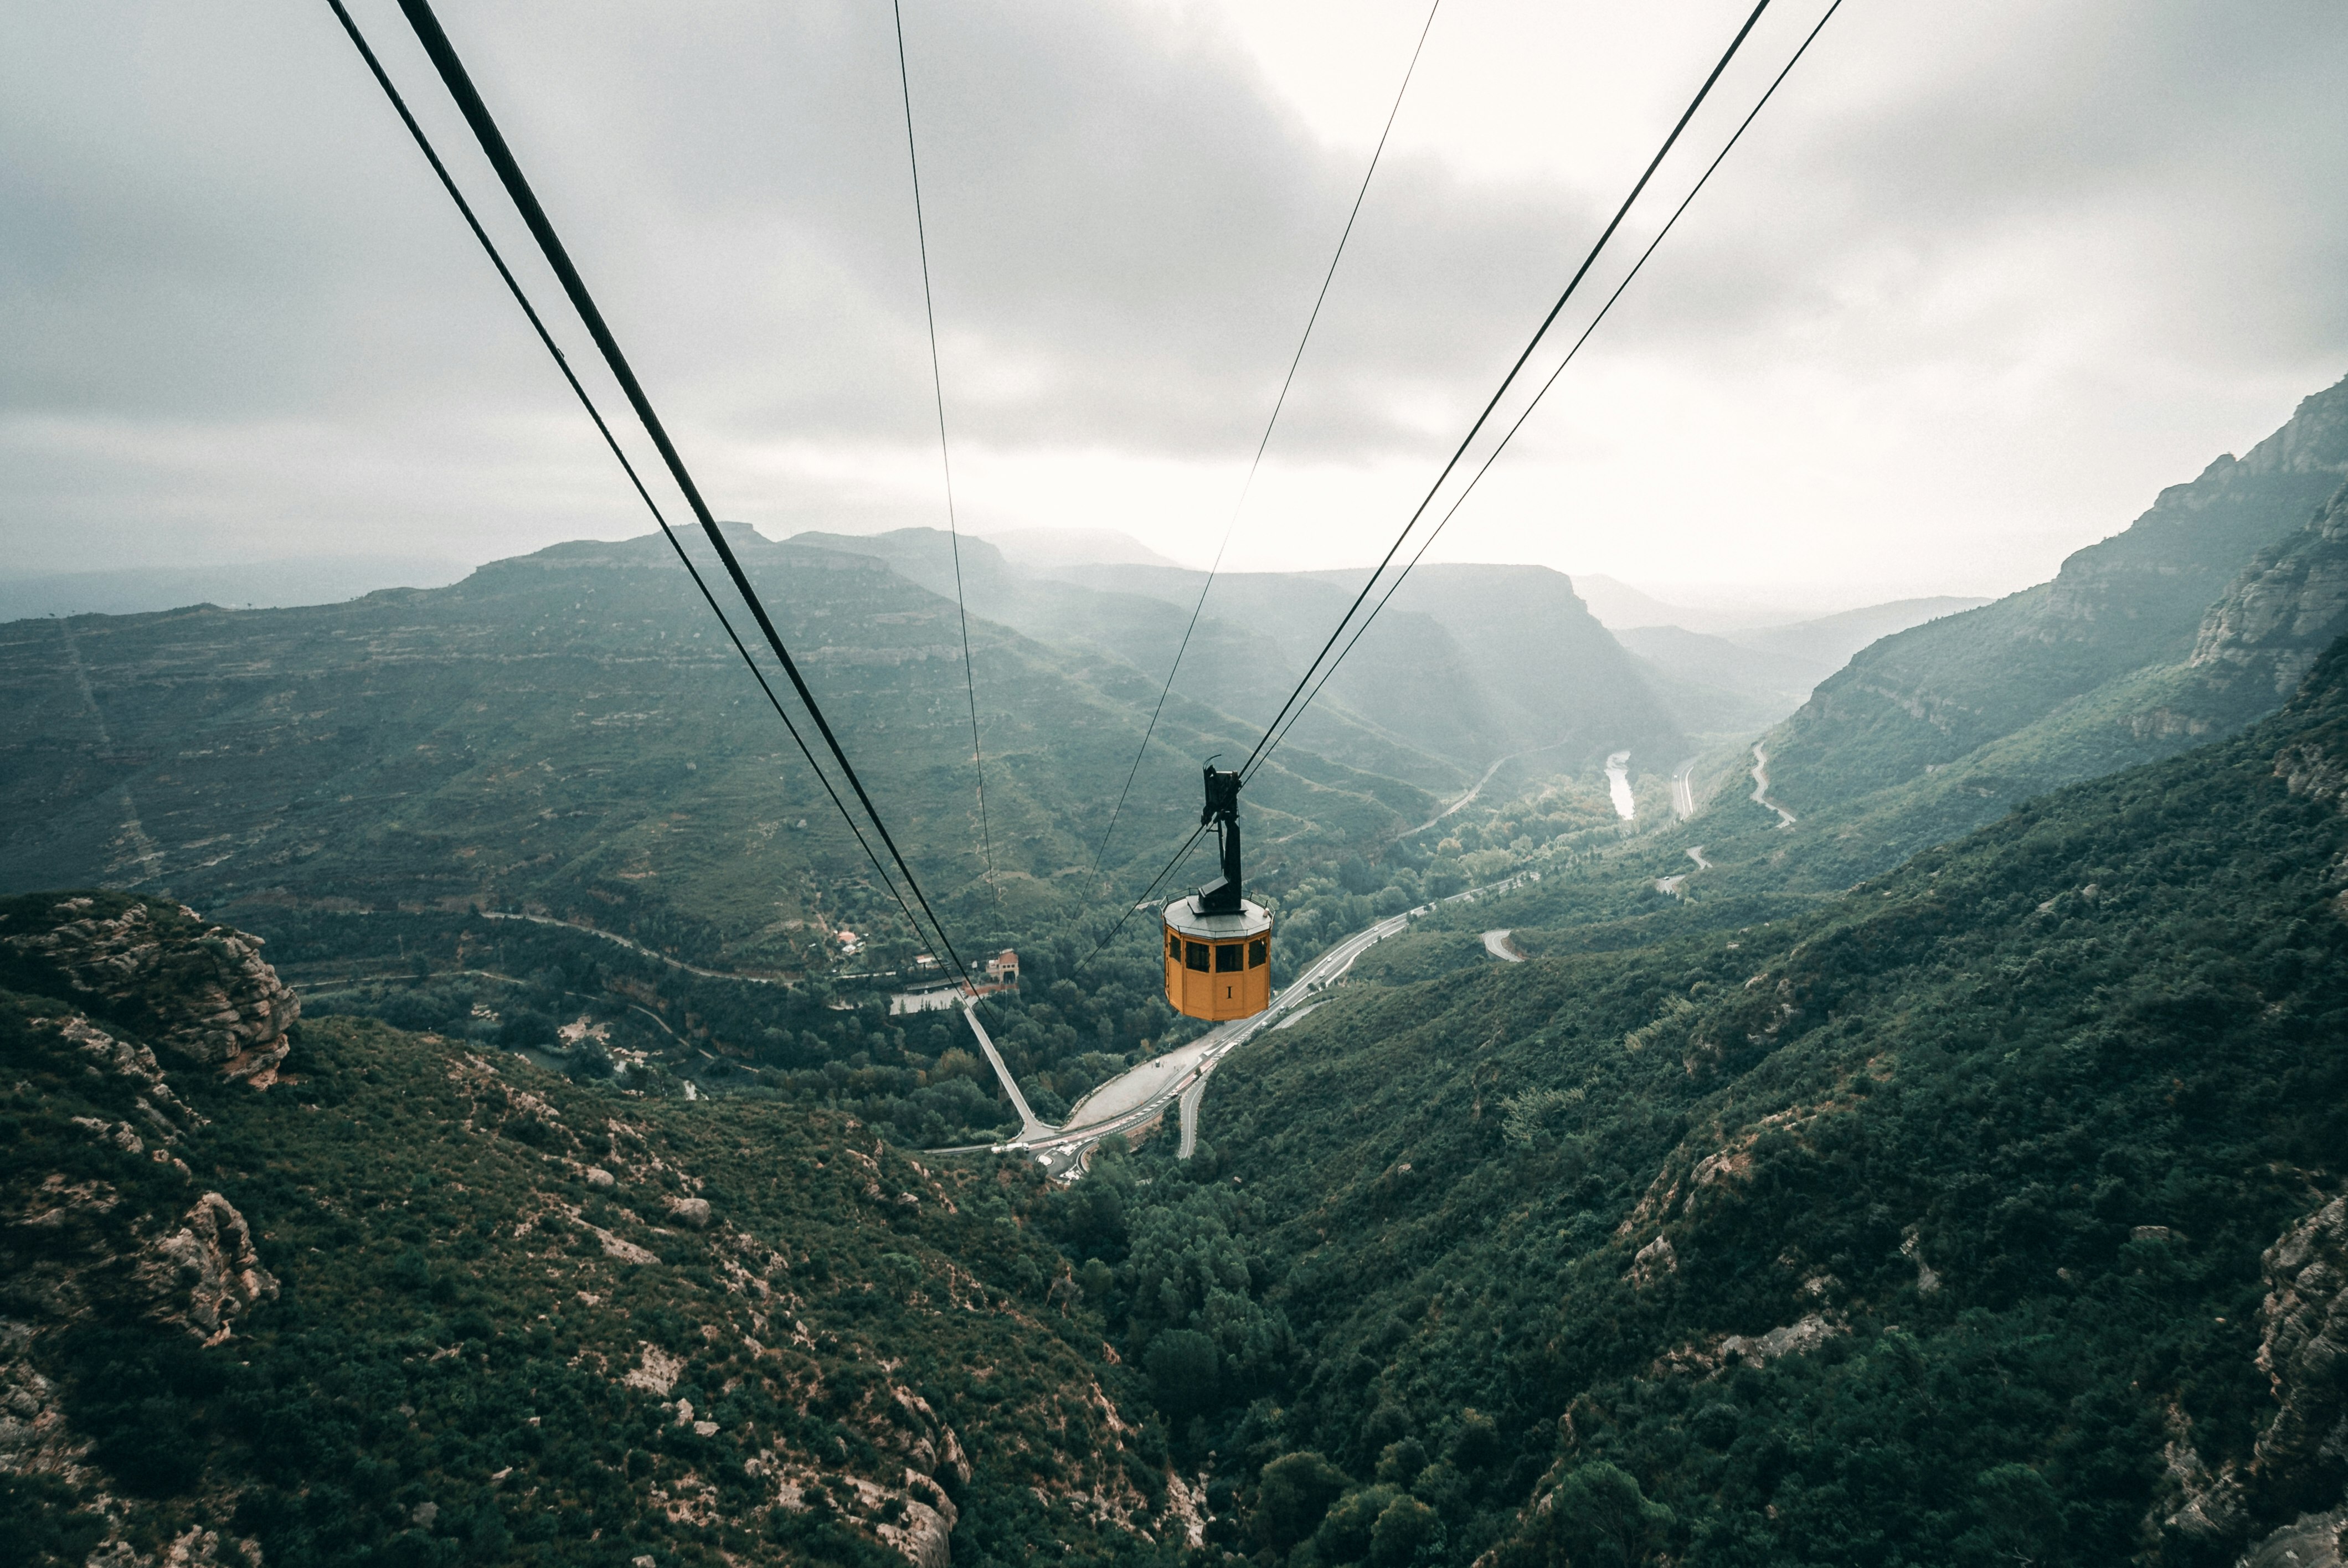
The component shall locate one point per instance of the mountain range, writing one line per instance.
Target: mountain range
(1988, 1208)
(1928, 1150)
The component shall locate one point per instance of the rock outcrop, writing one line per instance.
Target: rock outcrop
(2304, 1351)
(206, 1272)
(2314, 1542)
(2284, 610)
(199, 990)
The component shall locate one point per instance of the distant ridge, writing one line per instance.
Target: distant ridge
(1047, 549)
(259, 585)
(2197, 619)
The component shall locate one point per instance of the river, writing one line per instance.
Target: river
(1618, 784)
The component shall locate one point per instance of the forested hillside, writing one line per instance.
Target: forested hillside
(1925, 698)
(569, 729)
(1989, 1211)
(1992, 1208)
(392, 1298)
(1468, 664)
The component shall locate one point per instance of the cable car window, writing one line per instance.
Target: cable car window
(1173, 946)
(1256, 953)
(1194, 956)
(1227, 957)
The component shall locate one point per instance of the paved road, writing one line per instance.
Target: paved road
(1139, 1096)
(1496, 943)
(1672, 885)
(1761, 786)
(1683, 790)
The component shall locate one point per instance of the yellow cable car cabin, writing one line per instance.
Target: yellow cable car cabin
(1218, 943)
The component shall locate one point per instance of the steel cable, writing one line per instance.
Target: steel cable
(538, 325)
(1508, 380)
(1278, 404)
(945, 453)
(459, 82)
(1274, 741)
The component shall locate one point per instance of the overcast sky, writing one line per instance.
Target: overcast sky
(1981, 280)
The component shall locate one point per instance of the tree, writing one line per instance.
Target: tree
(1292, 1497)
(1406, 1528)
(1183, 1363)
(1598, 1518)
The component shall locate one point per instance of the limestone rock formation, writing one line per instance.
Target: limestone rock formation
(2284, 610)
(923, 1533)
(1654, 1260)
(202, 991)
(206, 1272)
(2314, 1542)
(2304, 1349)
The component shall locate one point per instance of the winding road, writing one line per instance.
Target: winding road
(1672, 885)
(1683, 790)
(1761, 786)
(1128, 1103)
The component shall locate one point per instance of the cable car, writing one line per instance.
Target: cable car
(1217, 944)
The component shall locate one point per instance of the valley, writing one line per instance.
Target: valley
(1626, 1143)
(1200, 785)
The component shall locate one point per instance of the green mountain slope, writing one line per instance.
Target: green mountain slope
(1470, 663)
(1988, 1211)
(1829, 642)
(1929, 696)
(565, 737)
(1744, 681)
(419, 1302)
(2252, 648)
(567, 731)
(1232, 667)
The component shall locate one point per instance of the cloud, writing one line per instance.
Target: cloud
(2023, 260)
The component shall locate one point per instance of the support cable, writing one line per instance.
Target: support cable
(1272, 739)
(1163, 872)
(945, 453)
(1277, 405)
(1494, 455)
(1507, 381)
(453, 75)
(538, 324)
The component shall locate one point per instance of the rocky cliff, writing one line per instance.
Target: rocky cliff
(424, 1303)
(1926, 697)
(2288, 606)
(200, 991)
